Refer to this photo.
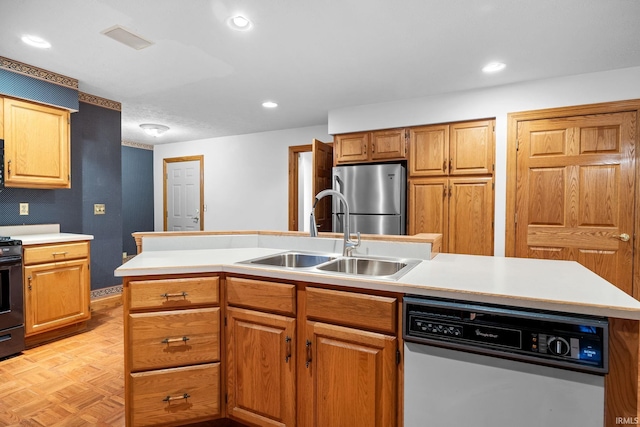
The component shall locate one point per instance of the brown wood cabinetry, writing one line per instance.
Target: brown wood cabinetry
(56, 286)
(261, 360)
(451, 185)
(374, 146)
(349, 375)
(172, 350)
(37, 145)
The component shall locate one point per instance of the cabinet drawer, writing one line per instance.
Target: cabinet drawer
(261, 295)
(352, 309)
(175, 396)
(174, 338)
(173, 293)
(57, 252)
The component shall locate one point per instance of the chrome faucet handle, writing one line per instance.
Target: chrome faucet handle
(350, 245)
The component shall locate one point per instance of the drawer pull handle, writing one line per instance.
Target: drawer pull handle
(308, 345)
(287, 341)
(170, 340)
(59, 253)
(177, 295)
(171, 398)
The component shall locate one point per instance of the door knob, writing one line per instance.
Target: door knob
(623, 237)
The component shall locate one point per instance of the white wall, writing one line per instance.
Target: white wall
(495, 102)
(245, 177)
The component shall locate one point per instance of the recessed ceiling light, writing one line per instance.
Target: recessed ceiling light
(36, 41)
(269, 104)
(492, 67)
(153, 129)
(239, 23)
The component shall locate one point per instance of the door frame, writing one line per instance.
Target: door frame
(294, 150)
(165, 162)
(580, 110)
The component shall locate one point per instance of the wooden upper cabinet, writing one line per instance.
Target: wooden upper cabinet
(375, 146)
(429, 150)
(452, 149)
(352, 148)
(471, 148)
(388, 144)
(37, 145)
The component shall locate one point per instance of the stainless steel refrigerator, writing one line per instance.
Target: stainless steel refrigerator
(376, 195)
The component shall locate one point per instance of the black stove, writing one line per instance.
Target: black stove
(11, 297)
(10, 247)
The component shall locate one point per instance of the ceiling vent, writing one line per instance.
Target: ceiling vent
(124, 36)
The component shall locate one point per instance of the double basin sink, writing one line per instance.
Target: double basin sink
(352, 266)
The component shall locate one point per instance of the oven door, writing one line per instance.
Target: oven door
(11, 293)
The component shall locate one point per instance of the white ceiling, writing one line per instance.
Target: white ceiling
(203, 79)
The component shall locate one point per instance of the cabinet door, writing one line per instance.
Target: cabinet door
(429, 150)
(429, 207)
(36, 145)
(352, 147)
(471, 216)
(57, 294)
(471, 148)
(350, 378)
(388, 145)
(260, 368)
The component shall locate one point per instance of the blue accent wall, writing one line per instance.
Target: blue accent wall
(137, 194)
(95, 178)
(26, 87)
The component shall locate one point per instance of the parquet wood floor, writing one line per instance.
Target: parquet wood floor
(75, 381)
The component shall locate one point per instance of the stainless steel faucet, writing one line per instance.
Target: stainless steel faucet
(349, 245)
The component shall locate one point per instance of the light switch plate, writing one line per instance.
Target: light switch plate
(98, 209)
(24, 208)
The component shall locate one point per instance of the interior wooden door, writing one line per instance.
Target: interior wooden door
(322, 174)
(575, 186)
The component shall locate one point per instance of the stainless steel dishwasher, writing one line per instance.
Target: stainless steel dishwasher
(482, 365)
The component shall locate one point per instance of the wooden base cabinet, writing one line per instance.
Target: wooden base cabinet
(261, 360)
(261, 368)
(57, 285)
(351, 377)
(172, 350)
(461, 209)
(349, 369)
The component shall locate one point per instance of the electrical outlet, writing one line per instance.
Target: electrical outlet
(24, 208)
(98, 209)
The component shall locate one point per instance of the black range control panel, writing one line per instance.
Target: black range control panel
(558, 339)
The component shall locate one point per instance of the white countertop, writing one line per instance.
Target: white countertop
(540, 284)
(41, 234)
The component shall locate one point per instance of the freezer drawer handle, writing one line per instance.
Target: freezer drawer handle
(171, 398)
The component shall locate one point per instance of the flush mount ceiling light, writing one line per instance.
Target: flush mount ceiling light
(36, 41)
(493, 67)
(269, 104)
(239, 23)
(153, 129)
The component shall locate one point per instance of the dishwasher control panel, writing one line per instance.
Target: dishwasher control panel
(563, 340)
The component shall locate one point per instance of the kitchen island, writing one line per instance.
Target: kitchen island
(311, 301)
